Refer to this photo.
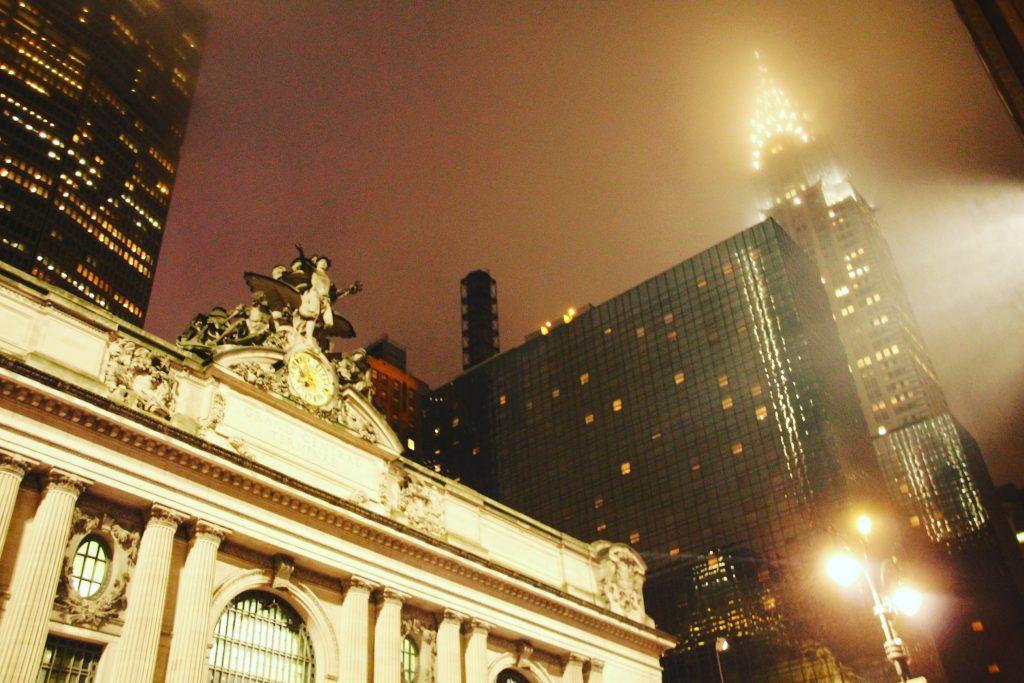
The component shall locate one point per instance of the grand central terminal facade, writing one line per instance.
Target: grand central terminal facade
(233, 507)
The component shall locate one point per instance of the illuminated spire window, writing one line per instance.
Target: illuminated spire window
(775, 117)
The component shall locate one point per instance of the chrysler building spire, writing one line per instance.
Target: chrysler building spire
(776, 120)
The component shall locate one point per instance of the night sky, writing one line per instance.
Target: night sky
(576, 149)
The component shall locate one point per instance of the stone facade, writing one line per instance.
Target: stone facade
(202, 486)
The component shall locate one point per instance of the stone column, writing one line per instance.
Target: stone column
(135, 653)
(573, 672)
(12, 471)
(354, 633)
(476, 650)
(449, 648)
(34, 583)
(387, 637)
(596, 671)
(187, 660)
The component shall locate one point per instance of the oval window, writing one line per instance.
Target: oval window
(410, 660)
(89, 568)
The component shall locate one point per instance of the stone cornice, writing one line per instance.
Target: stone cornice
(203, 460)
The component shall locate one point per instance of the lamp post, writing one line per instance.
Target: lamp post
(721, 645)
(846, 569)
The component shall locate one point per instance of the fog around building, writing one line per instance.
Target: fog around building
(574, 150)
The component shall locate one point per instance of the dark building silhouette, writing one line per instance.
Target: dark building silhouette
(997, 29)
(479, 318)
(706, 416)
(398, 394)
(94, 99)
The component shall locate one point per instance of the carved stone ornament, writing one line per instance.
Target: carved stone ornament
(425, 636)
(284, 567)
(208, 425)
(110, 600)
(620, 580)
(14, 464)
(140, 377)
(281, 343)
(420, 505)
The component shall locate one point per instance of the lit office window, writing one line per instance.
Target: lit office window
(625, 467)
(68, 660)
(410, 660)
(617, 405)
(89, 568)
(680, 377)
(260, 638)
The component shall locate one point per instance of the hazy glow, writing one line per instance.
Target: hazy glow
(843, 569)
(864, 525)
(774, 116)
(907, 600)
(721, 644)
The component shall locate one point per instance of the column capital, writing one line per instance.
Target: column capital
(158, 514)
(389, 595)
(474, 625)
(597, 666)
(358, 584)
(59, 480)
(208, 531)
(451, 616)
(15, 464)
(574, 658)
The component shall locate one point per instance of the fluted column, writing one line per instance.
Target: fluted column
(596, 671)
(476, 650)
(573, 672)
(12, 471)
(187, 660)
(135, 653)
(34, 582)
(387, 637)
(355, 632)
(449, 649)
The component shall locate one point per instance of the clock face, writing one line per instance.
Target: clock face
(310, 379)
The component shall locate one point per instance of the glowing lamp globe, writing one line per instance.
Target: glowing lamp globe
(907, 600)
(843, 569)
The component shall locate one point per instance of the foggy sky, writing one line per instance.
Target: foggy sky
(576, 149)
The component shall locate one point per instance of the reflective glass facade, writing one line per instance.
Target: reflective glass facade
(706, 416)
(94, 100)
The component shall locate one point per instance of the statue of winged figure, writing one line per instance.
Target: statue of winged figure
(305, 289)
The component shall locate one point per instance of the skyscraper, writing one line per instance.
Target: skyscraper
(932, 466)
(94, 98)
(479, 318)
(707, 417)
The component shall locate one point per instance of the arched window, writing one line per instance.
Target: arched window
(511, 676)
(260, 638)
(89, 568)
(410, 660)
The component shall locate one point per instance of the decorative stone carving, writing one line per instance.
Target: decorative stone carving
(284, 566)
(208, 425)
(282, 343)
(524, 651)
(424, 634)
(620, 579)
(15, 464)
(140, 378)
(109, 601)
(420, 506)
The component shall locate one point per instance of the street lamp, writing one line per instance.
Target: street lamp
(721, 645)
(845, 569)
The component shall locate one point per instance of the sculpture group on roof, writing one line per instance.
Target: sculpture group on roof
(293, 303)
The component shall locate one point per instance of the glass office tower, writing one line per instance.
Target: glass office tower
(94, 97)
(706, 416)
(932, 466)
